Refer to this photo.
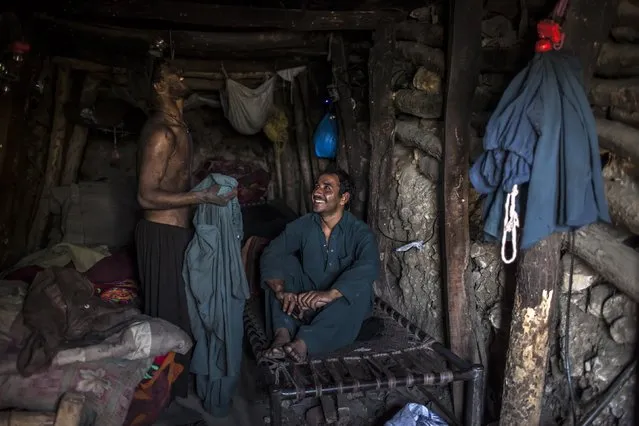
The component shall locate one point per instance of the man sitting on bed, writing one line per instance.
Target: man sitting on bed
(319, 274)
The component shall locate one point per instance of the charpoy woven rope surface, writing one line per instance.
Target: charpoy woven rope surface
(399, 354)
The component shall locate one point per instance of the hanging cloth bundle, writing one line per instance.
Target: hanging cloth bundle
(541, 142)
(247, 109)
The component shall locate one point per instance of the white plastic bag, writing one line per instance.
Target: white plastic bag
(247, 109)
(415, 415)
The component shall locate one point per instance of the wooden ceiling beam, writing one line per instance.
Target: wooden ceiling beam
(217, 16)
(190, 41)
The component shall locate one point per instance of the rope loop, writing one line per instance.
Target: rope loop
(511, 223)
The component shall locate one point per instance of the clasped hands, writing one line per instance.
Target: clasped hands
(311, 300)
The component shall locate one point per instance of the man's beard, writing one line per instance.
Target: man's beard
(178, 92)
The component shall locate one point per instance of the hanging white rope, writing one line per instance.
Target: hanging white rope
(511, 223)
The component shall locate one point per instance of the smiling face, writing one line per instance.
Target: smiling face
(326, 195)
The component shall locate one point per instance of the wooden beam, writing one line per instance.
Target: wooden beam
(587, 25)
(618, 138)
(418, 103)
(78, 140)
(623, 203)
(303, 145)
(428, 57)
(462, 67)
(211, 15)
(621, 93)
(630, 118)
(187, 41)
(352, 152)
(382, 123)
(616, 262)
(618, 60)
(428, 34)
(422, 134)
(54, 160)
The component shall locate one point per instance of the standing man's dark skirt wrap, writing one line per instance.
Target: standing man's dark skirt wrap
(160, 253)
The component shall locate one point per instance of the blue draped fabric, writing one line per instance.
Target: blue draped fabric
(542, 137)
(216, 290)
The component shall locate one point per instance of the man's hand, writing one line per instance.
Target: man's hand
(317, 299)
(210, 196)
(288, 300)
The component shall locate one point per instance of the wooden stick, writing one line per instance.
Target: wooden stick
(54, 161)
(463, 65)
(616, 262)
(78, 140)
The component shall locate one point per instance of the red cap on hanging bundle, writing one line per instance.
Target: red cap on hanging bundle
(549, 31)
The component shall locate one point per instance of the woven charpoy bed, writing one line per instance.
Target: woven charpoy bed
(399, 356)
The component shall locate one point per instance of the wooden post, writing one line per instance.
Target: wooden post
(463, 63)
(537, 278)
(78, 140)
(587, 24)
(54, 160)
(351, 150)
(303, 144)
(382, 125)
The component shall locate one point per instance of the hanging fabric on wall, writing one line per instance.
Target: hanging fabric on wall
(325, 137)
(247, 109)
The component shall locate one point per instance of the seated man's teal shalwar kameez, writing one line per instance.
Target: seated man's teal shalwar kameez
(306, 261)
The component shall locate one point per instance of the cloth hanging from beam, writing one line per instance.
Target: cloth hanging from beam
(247, 109)
(542, 140)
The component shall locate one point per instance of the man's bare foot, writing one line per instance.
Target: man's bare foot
(296, 350)
(282, 337)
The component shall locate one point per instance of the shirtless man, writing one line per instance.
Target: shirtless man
(164, 174)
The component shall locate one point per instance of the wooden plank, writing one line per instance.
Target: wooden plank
(54, 160)
(587, 25)
(211, 15)
(382, 124)
(78, 140)
(303, 146)
(616, 262)
(462, 68)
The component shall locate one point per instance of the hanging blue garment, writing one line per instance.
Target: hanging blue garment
(542, 138)
(216, 290)
(326, 137)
